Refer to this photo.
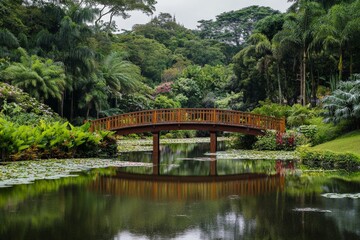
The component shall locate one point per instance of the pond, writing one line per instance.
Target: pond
(245, 199)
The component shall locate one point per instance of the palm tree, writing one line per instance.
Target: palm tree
(95, 95)
(261, 53)
(262, 46)
(7, 41)
(297, 33)
(41, 78)
(337, 29)
(70, 46)
(121, 76)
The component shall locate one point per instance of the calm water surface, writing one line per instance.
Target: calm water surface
(248, 199)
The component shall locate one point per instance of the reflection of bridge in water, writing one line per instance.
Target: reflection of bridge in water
(188, 188)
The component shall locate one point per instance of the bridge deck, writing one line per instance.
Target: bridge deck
(188, 118)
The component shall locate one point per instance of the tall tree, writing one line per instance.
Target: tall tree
(151, 56)
(70, 45)
(339, 28)
(7, 42)
(234, 27)
(121, 76)
(95, 96)
(298, 33)
(111, 8)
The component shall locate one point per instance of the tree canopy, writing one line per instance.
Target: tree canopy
(69, 55)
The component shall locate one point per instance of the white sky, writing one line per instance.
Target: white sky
(188, 12)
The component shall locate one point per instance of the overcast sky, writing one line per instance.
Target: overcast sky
(188, 12)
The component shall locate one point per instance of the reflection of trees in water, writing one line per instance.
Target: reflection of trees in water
(87, 211)
(246, 166)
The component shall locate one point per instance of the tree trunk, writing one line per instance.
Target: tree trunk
(340, 66)
(61, 105)
(351, 64)
(279, 83)
(313, 87)
(301, 83)
(88, 110)
(304, 79)
(72, 106)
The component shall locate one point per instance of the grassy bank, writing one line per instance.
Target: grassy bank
(341, 153)
(348, 143)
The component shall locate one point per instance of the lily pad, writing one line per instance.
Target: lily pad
(27, 172)
(316, 210)
(341, 195)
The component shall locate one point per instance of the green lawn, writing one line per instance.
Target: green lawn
(347, 143)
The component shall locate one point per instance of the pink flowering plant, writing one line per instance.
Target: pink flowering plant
(165, 87)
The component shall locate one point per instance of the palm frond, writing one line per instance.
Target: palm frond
(8, 39)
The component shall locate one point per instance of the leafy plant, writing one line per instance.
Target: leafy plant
(309, 131)
(53, 140)
(344, 103)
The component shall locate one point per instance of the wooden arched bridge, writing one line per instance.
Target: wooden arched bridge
(212, 120)
(189, 118)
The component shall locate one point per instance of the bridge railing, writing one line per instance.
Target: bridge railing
(189, 115)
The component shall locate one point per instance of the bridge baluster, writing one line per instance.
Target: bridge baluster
(232, 118)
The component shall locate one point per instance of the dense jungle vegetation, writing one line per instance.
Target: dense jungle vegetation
(66, 54)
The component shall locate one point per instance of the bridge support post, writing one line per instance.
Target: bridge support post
(213, 142)
(213, 149)
(156, 153)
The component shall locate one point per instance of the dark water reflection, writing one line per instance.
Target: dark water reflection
(113, 204)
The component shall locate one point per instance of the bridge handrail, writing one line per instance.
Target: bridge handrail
(189, 115)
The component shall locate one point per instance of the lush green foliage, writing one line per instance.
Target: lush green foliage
(52, 140)
(234, 27)
(181, 134)
(42, 78)
(19, 107)
(66, 55)
(344, 103)
(324, 131)
(241, 141)
(70, 60)
(329, 159)
(279, 141)
(162, 101)
(295, 115)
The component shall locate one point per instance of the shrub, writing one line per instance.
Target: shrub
(309, 132)
(344, 102)
(183, 133)
(52, 140)
(295, 115)
(163, 101)
(326, 131)
(168, 135)
(242, 141)
(272, 109)
(279, 141)
(14, 103)
(300, 115)
(328, 159)
(266, 142)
